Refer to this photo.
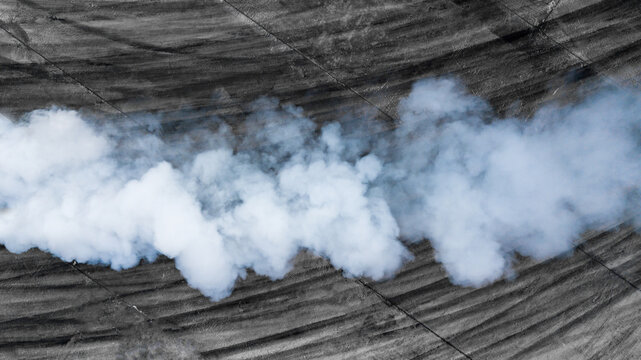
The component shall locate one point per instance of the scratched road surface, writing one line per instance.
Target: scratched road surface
(188, 60)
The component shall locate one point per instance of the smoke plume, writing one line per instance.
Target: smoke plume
(480, 188)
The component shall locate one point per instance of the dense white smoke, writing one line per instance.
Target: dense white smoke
(479, 188)
(90, 195)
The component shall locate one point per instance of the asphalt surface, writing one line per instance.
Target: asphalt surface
(187, 60)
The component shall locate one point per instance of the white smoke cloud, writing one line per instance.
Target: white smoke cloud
(88, 195)
(479, 188)
(482, 188)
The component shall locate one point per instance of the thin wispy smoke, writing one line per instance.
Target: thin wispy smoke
(479, 188)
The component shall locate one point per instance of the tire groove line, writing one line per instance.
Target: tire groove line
(64, 72)
(398, 308)
(312, 61)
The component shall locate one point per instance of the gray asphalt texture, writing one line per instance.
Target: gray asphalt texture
(187, 60)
